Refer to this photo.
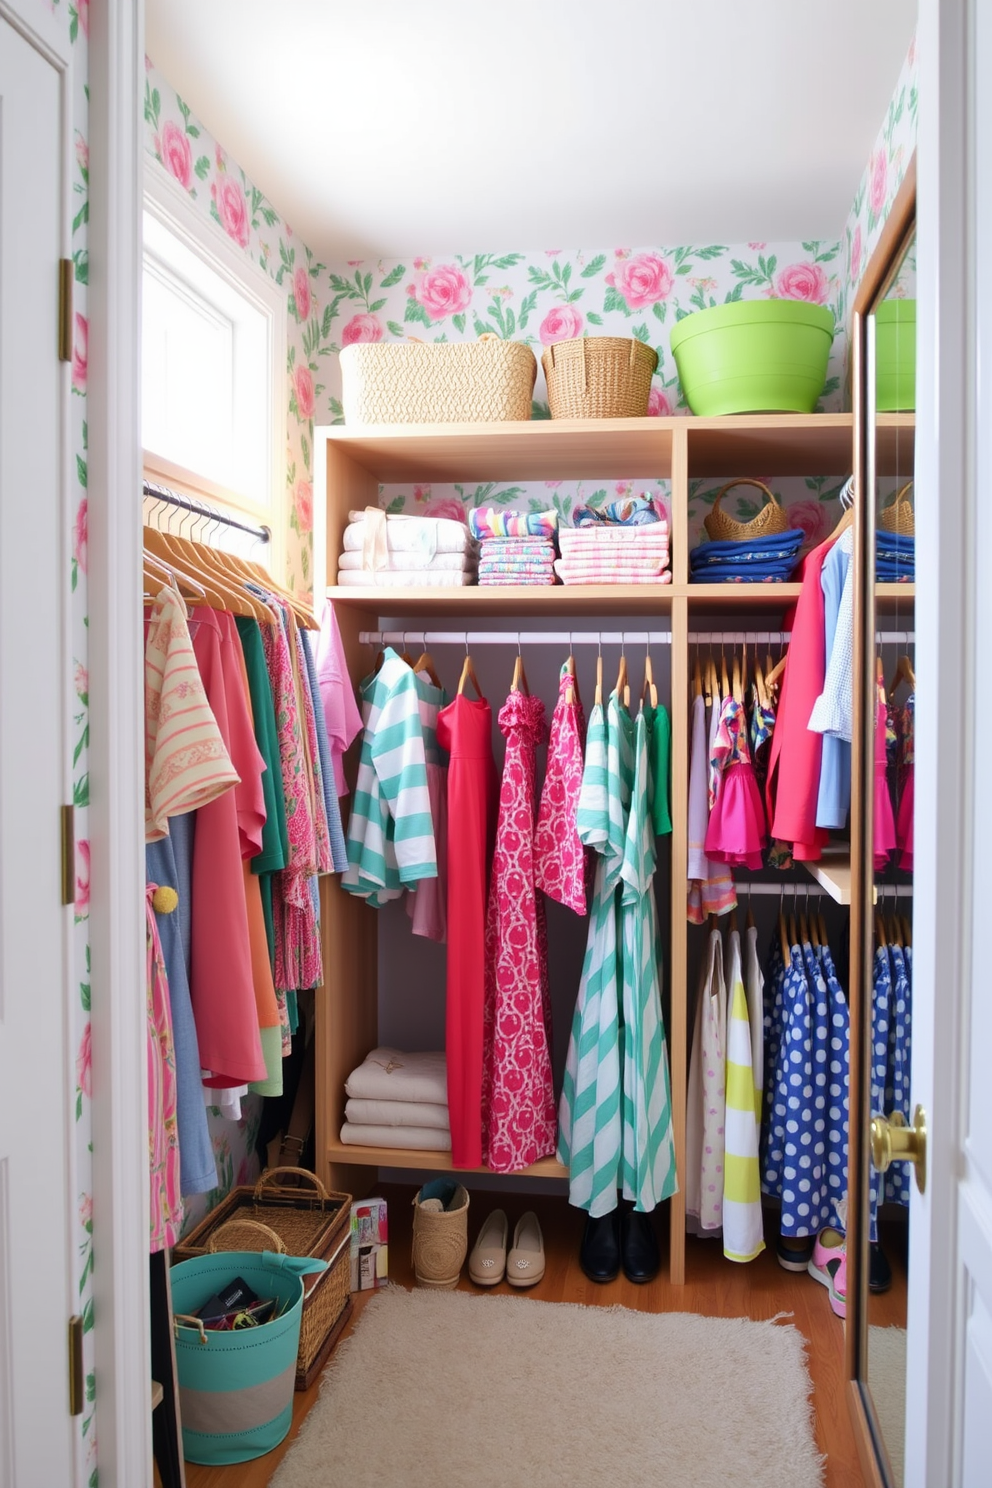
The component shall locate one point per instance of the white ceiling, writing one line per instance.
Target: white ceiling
(392, 127)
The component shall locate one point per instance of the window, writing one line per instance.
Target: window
(213, 362)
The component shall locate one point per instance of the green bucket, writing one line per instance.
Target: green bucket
(753, 356)
(236, 1389)
(895, 356)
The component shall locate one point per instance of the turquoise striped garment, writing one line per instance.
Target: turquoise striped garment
(390, 833)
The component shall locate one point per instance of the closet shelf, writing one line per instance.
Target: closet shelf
(833, 873)
(892, 597)
(563, 599)
(404, 1157)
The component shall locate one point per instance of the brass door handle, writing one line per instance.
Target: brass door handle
(893, 1140)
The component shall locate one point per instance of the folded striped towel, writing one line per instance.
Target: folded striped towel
(491, 521)
(609, 575)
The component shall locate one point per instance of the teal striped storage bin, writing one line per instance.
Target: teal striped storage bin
(236, 1389)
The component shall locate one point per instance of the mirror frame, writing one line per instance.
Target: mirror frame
(899, 227)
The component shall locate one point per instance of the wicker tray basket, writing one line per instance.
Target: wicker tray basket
(899, 516)
(599, 377)
(299, 1218)
(455, 382)
(771, 518)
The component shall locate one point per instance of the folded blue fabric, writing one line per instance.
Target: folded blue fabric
(743, 560)
(791, 540)
(897, 541)
(762, 576)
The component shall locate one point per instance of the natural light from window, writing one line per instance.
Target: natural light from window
(206, 363)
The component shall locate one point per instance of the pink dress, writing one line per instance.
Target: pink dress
(559, 856)
(710, 887)
(884, 842)
(736, 831)
(163, 1133)
(518, 1101)
(907, 786)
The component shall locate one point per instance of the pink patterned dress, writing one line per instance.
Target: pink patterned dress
(559, 856)
(736, 831)
(163, 1132)
(518, 1103)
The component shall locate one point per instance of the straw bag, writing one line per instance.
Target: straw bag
(599, 377)
(770, 519)
(299, 1217)
(899, 516)
(440, 1233)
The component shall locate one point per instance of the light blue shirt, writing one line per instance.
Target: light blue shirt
(833, 801)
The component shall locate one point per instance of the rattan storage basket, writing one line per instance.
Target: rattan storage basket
(771, 518)
(454, 382)
(899, 516)
(596, 377)
(302, 1220)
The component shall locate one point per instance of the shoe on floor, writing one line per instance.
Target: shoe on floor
(797, 1256)
(525, 1263)
(487, 1262)
(599, 1253)
(638, 1247)
(828, 1265)
(879, 1270)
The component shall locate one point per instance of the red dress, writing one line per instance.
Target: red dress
(464, 729)
(518, 1100)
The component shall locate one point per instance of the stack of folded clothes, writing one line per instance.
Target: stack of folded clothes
(516, 547)
(400, 552)
(757, 560)
(602, 554)
(398, 1100)
(895, 558)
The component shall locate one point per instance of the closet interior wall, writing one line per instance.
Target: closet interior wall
(372, 975)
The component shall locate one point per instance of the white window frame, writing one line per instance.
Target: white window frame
(168, 203)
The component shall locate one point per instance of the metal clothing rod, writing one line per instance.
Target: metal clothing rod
(774, 637)
(517, 637)
(156, 492)
(796, 890)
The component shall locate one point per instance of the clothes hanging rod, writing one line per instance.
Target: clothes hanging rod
(155, 492)
(517, 637)
(773, 637)
(798, 890)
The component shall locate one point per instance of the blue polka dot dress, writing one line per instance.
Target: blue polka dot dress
(838, 1086)
(897, 1179)
(881, 1014)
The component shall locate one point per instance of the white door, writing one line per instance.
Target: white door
(949, 1366)
(36, 1438)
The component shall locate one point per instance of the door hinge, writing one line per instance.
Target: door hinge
(76, 1383)
(68, 854)
(66, 277)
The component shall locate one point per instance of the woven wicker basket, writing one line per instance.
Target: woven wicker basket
(456, 382)
(770, 519)
(596, 377)
(899, 516)
(301, 1219)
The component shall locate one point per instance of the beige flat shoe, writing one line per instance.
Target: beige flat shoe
(525, 1263)
(487, 1263)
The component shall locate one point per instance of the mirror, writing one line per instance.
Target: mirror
(888, 388)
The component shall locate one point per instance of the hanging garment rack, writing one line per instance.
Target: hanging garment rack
(813, 890)
(599, 637)
(155, 492)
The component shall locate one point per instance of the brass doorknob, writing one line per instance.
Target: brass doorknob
(892, 1140)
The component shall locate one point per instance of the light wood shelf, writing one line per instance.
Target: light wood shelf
(833, 873)
(895, 444)
(564, 599)
(892, 597)
(435, 1162)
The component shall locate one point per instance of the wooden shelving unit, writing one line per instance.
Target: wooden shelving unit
(679, 449)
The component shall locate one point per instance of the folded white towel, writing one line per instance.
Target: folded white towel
(413, 534)
(396, 1113)
(390, 1074)
(352, 562)
(407, 578)
(419, 1138)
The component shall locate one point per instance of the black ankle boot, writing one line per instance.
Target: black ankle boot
(599, 1254)
(638, 1246)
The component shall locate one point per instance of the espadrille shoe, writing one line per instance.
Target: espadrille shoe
(487, 1263)
(440, 1233)
(525, 1263)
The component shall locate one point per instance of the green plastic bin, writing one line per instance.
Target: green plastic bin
(753, 356)
(236, 1389)
(895, 356)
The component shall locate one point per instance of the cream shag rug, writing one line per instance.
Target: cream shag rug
(887, 1382)
(448, 1390)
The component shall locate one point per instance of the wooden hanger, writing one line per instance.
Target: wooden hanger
(599, 681)
(738, 683)
(243, 570)
(771, 677)
(759, 684)
(821, 925)
(749, 922)
(468, 675)
(218, 591)
(709, 681)
(724, 680)
(519, 683)
(155, 573)
(907, 931)
(697, 679)
(743, 671)
(425, 663)
(571, 690)
(732, 921)
(622, 688)
(903, 673)
(648, 689)
(880, 932)
(783, 933)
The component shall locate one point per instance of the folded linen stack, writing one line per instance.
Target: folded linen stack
(605, 554)
(398, 1100)
(517, 547)
(400, 552)
(895, 558)
(756, 560)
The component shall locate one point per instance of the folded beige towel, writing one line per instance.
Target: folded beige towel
(417, 1138)
(397, 1113)
(389, 1074)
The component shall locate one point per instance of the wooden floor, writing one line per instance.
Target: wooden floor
(714, 1286)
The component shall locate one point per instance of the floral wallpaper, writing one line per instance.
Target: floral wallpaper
(221, 191)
